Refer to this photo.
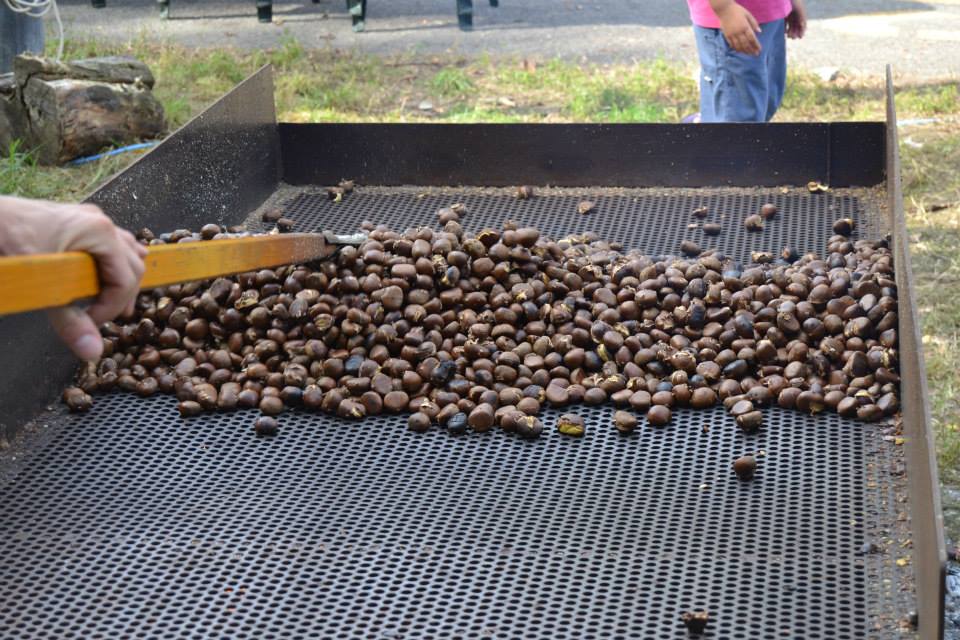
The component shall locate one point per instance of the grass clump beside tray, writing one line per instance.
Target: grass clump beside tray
(331, 86)
(931, 157)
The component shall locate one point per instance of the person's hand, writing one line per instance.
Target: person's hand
(740, 28)
(35, 226)
(797, 20)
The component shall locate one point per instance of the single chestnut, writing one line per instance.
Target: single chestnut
(624, 421)
(266, 426)
(745, 467)
(570, 424)
(659, 415)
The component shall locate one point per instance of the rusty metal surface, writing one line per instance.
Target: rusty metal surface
(929, 552)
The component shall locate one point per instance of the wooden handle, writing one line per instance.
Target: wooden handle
(56, 279)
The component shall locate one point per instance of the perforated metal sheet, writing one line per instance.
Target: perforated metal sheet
(133, 521)
(654, 223)
(129, 522)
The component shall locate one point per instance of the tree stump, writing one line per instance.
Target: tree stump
(77, 108)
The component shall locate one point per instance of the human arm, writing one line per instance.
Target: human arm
(37, 226)
(739, 26)
(797, 20)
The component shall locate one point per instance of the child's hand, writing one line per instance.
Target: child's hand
(797, 20)
(740, 28)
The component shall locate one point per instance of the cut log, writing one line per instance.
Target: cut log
(113, 69)
(70, 118)
(13, 124)
(65, 110)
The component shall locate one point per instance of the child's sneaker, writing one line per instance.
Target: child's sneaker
(693, 118)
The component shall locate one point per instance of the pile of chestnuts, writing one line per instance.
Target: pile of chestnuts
(474, 332)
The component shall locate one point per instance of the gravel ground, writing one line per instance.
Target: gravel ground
(858, 36)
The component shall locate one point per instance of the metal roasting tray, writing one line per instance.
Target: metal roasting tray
(130, 522)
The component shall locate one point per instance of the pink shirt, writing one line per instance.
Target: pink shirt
(763, 10)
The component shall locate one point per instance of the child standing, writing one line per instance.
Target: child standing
(743, 57)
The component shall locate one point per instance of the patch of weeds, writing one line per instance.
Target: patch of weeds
(932, 192)
(807, 97)
(667, 83)
(552, 75)
(466, 114)
(15, 169)
(598, 102)
(450, 82)
(177, 111)
(288, 54)
(20, 175)
(930, 157)
(929, 100)
(301, 91)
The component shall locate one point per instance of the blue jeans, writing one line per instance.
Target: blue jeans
(736, 87)
(18, 33)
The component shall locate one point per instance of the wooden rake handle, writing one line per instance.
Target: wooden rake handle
(46, 280)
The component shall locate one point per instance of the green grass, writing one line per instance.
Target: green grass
(328, 86)
(20, 175)
(451, 82)
(932, 187)
(809, 98)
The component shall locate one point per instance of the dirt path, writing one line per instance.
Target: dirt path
(922, 38)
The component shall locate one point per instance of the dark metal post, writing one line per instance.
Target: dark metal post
(19, 33)
(358, 14)
(465, 14)
(265, 10)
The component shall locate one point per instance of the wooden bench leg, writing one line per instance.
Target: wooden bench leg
(164, 6)
(358, 14)
(465, 14)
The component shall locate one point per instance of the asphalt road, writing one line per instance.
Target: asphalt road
(858, 36)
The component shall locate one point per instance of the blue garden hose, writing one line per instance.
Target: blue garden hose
(114, 152)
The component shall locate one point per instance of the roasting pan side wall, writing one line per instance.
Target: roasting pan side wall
(929, 552)
(585, 155)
